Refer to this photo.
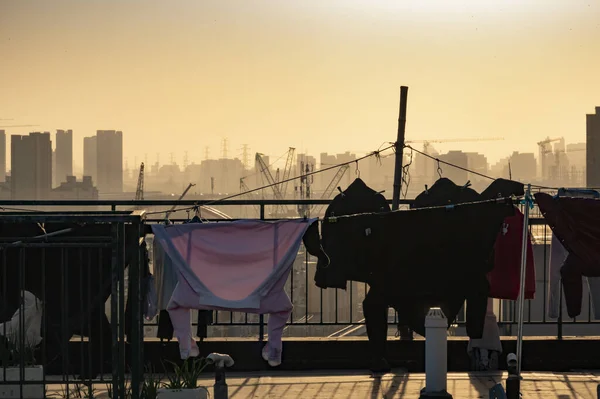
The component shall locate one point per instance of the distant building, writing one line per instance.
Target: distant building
(457, 158)
(71, 189)
(64, 156)
(31, 166)
(523, 167)
(2, 155)
(109, 161)
(593, 149)
(90, 151)
(327, 161)
(221, 176)
(477, 163)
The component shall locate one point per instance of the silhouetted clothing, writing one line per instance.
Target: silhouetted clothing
(576, 223)
(347, 263)
(417, 259)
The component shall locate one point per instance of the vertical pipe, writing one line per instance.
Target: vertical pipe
(114, 310)
(134, 285)
(261, 317)
(436, 354)
(521, 300)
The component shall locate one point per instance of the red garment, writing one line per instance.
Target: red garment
(505, 277)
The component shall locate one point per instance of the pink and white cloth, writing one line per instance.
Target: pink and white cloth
(232, 266)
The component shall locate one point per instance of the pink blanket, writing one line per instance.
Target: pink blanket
(235, 266)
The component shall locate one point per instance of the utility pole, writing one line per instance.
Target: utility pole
(185, 160)
(206, 153)
(405, 332)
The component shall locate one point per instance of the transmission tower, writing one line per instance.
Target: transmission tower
(245, 156)
(206, 152)
(224, 148)
(172, 159)
(185, 160)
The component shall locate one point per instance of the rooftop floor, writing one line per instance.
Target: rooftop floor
(344, 384)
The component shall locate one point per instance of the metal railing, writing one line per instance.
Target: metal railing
(338, 313)
(57, 271)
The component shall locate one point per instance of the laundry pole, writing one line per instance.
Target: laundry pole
(405, 333)
(521, 299)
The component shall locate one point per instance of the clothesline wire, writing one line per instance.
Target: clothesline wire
(375, 153)
(500, 199)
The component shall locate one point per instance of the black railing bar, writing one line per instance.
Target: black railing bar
(212, 203)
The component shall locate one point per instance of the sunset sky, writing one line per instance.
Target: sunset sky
(320, 75)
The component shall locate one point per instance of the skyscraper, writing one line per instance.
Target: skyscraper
(90, 157)
(2, 155)
(109, 161)
(31, 166)
(593, 149)
(64, 156)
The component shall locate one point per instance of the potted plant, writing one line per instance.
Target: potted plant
(183, 383)
(12, 360)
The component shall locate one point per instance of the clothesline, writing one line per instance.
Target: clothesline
(501, 199)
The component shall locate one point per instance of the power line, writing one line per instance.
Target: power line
(371, 154)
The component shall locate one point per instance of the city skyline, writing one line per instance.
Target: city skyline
(321, 78)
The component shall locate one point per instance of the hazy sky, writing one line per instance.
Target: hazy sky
(320, 75)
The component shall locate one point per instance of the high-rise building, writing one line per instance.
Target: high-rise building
(2, 155)
(31, 166)
(109, 161)
(64, 156)
(593, 149)
(89, 157)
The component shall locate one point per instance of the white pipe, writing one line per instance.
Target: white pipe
(436, 351)
(521, 300)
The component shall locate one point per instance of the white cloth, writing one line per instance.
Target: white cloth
(32, 314)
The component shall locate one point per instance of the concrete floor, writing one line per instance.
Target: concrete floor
(344, 384)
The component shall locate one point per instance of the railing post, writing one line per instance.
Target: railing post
(436, 355)
(261, 318)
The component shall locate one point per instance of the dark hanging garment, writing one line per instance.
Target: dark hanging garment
(343, 260)
(205, 319)
(502, 188)
(445, 192)
(576, 223)
(165, 326)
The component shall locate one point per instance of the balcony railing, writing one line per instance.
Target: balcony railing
(337, 313)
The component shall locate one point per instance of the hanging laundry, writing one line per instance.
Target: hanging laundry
(576, 224)
(30, 320)
(505, 278)
(234, 266)
(440, 260)
(558, 255)
(334, 273)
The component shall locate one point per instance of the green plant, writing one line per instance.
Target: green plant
(128, 390)
(151, 384)
(80, 391)
(186, 376)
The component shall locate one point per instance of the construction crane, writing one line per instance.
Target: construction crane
(330, 188)
(544, 150)
(139, 192)
(244, 189)
(179, 199)
(287, 171)
(264, 169)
